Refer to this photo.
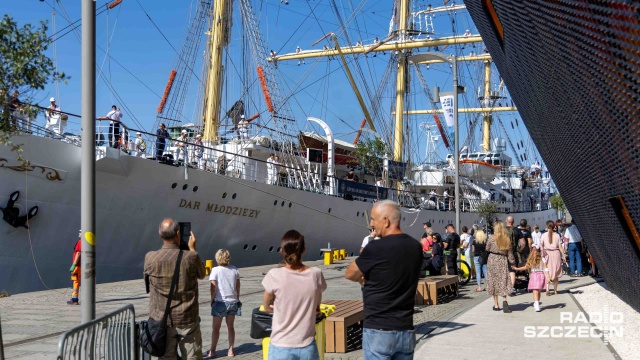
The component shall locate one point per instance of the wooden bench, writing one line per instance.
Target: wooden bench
(422, 294)
(433, 283)
(338, 335)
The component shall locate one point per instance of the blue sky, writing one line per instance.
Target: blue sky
(133, 40)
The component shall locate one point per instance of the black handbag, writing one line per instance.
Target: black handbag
(260, 324)
(153, 333)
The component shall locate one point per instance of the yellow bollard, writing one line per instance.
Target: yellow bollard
(328, 256)
(336, 255)
(208, 265)
(343, 254)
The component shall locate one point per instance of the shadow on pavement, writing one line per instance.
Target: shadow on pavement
(246, 348)
(427, 328)
(554, 306)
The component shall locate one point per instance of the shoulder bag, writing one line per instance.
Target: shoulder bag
(153, 334)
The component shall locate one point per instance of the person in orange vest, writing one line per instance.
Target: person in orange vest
(75, 271)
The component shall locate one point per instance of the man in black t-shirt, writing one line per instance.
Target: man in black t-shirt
(524, 233)
(452, 243)
(389, 268)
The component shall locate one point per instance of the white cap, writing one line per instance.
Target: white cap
(199, 136)
(138, 133)
(52, 99)
(184, 131)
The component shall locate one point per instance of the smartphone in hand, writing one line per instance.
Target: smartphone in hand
(185, 232)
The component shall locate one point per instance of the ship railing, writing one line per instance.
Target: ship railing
(33, 128)
(111, 336)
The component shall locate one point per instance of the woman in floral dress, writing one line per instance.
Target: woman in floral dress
(498, 280)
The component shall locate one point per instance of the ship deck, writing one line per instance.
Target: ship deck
(32, 322)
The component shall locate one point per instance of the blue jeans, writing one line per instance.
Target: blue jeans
(309, 352)
(476, 262)
(575, 257)
(383, 345)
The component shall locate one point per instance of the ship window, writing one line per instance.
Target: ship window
(351, 254)
(358, 213)
(195, 188)
(278, 249)
(270, 248)
(282, 204)
(245, 246)
(233, 196)
(224, 195)
(289, 204)
(275, 202)
(254, 247)
(185, 186)
(173, 186)
(496, 162)
(329, 211)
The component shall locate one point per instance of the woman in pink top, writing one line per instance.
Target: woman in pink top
(293, 293)
(553, 256)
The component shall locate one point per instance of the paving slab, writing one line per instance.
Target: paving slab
(481, 333)
(33, 322)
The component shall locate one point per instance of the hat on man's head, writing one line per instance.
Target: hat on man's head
(138, 133)
(184, 131)
(52, 99)
(428, 223)
(199, 136)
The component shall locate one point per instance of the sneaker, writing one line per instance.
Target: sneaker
(71, 302)
(536, 306)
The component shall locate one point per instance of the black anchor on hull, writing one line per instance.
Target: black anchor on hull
(11, 214)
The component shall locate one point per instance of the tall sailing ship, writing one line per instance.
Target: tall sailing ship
(228, 187)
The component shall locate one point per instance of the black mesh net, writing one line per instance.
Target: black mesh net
(573, 70)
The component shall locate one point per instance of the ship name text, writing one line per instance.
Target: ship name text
(222, 209)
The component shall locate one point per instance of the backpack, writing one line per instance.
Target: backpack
(513, 237)
(142, 146)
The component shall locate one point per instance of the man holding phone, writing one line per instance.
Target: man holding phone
(183, 323)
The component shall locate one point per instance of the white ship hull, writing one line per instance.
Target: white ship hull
(134, 194)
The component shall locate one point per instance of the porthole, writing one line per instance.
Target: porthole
(321, 254)
(224, 195)
(358, 213)
(282, 204)
(254, 247)
(289, 205)
(195, 188)
(233, 196)
(351, 254)
(278, 249)
(173, 186)
(270, 248)
(275, 202)
(185, 186)
(245, 247)
(329, 211)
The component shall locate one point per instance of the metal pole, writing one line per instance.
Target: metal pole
(1, 343)
(88, 171)
(456, 141)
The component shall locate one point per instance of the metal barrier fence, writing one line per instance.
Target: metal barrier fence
(111, 337)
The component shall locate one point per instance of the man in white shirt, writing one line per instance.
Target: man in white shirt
(140, 146)
(271, 170)
(115, 115)
(369, 238)
(536, 235)
(52, 115)
(573, 237)
(243, 127)
(181, 146)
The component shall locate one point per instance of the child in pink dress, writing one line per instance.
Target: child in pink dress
(536, 275)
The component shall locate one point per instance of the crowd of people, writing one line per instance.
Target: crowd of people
(388, 269)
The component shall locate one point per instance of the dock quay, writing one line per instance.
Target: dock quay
(33, 322)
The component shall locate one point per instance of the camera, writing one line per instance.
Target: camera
(185, 233)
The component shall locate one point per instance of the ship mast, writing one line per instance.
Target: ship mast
(487, 118)
(219, 38)
(401, 83)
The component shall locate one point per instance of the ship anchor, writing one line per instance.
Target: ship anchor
(11, 214)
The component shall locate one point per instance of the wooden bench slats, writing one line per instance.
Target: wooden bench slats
(348, 312)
